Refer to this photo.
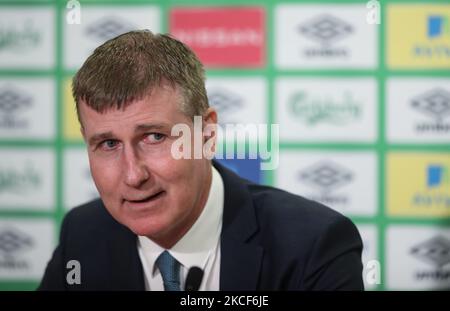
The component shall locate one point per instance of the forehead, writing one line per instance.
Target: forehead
(161, 105)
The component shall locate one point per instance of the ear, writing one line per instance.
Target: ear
(209, 123)
(210, 116)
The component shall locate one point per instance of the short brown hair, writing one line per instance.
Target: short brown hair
(129, 66)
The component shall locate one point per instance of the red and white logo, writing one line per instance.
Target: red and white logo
(222, 37)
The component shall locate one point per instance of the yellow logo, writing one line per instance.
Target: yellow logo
(418, 184)
(71, 124)
(418, 36)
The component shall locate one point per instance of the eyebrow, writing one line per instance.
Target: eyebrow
(138, 128)
(100, 137)
(149, 127)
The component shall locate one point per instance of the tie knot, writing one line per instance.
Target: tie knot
(170, 271)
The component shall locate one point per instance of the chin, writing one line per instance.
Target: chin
(143, 228)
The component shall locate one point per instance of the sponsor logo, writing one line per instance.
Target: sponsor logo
(108, 28)
(326, 30)
(436, 105)
(326, 177)
(437, 175)
(21, 38)
(418, 36)
(226, 103)
(314, 110)
(417, 184)
(12, 102)
(438, 26)
(437, 181)
(19, 182)
(219, 40)
(331, 36)
(436, 253)
(12, 244)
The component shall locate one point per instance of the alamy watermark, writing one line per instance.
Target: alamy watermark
(73, 15)
(74, 274)
(262, 142)
(373, 16)
(373, 272)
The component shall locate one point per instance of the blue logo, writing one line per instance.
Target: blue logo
(437, 26)
(436, 175)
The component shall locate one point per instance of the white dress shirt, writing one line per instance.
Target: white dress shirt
(200, 246)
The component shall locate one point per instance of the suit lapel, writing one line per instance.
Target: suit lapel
(240, 259)
(240, 265)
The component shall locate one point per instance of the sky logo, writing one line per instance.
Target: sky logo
(437, 175)
(437, 26)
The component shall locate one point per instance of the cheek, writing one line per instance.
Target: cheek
(105, 176)
(176, 172)
(178, 179)
(185, 182)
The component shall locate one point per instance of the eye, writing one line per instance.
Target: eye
(109, 144)
(154, 138)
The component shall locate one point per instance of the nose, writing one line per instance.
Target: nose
(136, 172)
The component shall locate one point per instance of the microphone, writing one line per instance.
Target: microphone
(193, 279)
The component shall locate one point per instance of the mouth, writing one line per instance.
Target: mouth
(148, 199)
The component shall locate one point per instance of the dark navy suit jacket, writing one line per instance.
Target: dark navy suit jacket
(271, 240)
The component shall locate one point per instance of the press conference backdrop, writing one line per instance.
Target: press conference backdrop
(363, 111)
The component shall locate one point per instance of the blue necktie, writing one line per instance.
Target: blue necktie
(170, 271)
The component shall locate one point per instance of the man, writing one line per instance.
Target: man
(158, 216)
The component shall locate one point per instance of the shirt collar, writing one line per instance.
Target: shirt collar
(197, 245)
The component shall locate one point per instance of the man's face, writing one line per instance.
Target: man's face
(141, 184)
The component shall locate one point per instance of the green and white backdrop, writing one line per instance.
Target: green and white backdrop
(363, 110)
